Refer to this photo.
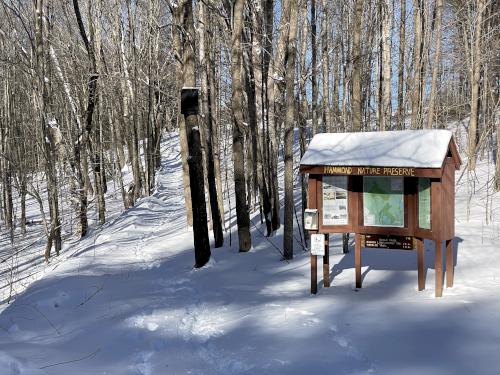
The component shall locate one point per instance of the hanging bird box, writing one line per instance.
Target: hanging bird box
(189, 101)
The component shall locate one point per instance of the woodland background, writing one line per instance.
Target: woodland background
(88, 87)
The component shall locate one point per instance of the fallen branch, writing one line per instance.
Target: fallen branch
(47, 319)
(91, 355)
(89, 297)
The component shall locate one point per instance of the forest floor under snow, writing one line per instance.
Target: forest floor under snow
(126, 300)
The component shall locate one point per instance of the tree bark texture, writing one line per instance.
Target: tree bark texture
(314, 71)
(242, 216)
(289, 131)
(54, 237)
(401, 66)
(357, 111)
(416, 95)
(208, 123)
(435, 66)
(475, 78)
(195, 158)
(386, 107)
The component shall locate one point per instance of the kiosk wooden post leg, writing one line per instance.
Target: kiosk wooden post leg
(420, 263)
(357, 259)
(314, 274)
(326, 262)
(438, 266)
(450, 263)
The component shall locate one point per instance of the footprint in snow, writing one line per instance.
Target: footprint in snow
(143, 365)
(302, 312)
(311, 322)
(351, 351)
(223, 362)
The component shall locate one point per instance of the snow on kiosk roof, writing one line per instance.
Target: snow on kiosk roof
(403, 148)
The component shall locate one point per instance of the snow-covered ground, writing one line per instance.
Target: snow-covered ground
(126, 300)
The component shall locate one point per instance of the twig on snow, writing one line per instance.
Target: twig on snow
(88, 356)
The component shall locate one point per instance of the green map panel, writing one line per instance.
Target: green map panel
(424, 203)
(383, 201)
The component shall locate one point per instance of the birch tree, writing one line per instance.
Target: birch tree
(41, 94)
(386, 62)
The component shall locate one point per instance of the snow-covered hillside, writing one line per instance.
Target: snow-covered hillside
(126, 300)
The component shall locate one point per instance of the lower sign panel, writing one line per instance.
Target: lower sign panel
(387, 242)
(318, 244)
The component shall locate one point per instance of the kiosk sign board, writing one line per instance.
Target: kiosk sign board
(392, 189)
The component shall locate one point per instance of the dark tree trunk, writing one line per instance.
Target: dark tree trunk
(195, 157)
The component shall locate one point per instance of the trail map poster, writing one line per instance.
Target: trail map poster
(383, 203)
(424, 203)
(335, 201)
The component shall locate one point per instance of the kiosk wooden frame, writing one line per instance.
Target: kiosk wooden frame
(420, 163)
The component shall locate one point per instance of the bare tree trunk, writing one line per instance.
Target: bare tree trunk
(117, 146)
(48, 147)
(129, 112)
(205, 65)
(196, 178)
(289, 129)
(76, 162)
(177, 47)
(475, 82)
(497, 161)
(304, 110)
(401, 65)
(274, 108)
(7, 192)
(251, 119)
(153, 131)
(23, 193)
(416, 96)
(87, 130)
(242, 217)
(386, 110)
(435, 65)
(335, 117)
(346, 80)
(325, 63)
(314, 70)
(6, 164)
(257, 62)
(357, 111)
(215, 139)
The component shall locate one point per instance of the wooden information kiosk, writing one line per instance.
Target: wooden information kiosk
(391, 189)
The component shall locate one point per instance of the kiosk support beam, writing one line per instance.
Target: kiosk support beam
(314, 274)
(438, 266)
(449, 263)
(420, 263)
(357, 259)
(326, 262)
